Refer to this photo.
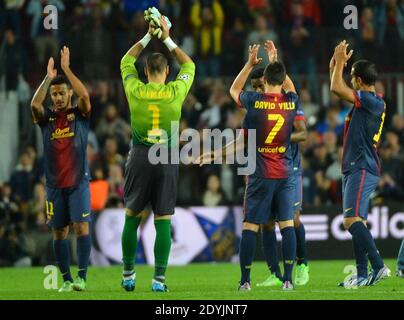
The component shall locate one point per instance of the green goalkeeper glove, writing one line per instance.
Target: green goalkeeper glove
(152, 15)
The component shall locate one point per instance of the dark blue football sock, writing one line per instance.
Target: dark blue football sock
(288, 251)
(269, 247)
(247, 251)
(361, 258)
(364, 239)
(62, 255)
(301, 244)
(83, 254)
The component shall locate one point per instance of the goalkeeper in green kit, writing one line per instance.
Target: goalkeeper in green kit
(153, 107)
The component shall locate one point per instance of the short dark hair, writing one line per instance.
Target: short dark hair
(365, 70)
(59, 80)
(275, 73)
(257, 73)
(156, 63)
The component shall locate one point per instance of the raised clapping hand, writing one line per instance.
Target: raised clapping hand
(253, 60)
(51, 71)
(340, 53)
(271, 50)
(65, 58)
(164, 28)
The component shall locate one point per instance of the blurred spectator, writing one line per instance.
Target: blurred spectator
(37, 237)
(389, 18)
(321, 158)
(10, 16)
(218, 105)
(310, 108)
(119, 27)
(330, 142)
(110, 154)
(332, 122)
(367, 35)
(191, 110)
(391, 107)
(93, 157)
(99, 189)
(257, 5)
(96, 39)
(328, 191)
(76, 24)
(398, 127)
(301, 42)
(258, 36)
(9, 210)
(214, 195)
(392, 139)
(115, 181)
(308, 183)
(13, 250)
(311, 10)
(23, 178)
(392, 177)
(333, 172)
(208, 20)
(100, 98)
(113, 125)
(139, 6)
(46, 42)
(234, 41)
(36, 212)
(11, 61)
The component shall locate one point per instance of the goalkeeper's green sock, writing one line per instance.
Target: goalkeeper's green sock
(162, 248)
(129, 243)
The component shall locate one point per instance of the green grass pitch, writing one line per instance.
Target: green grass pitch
(200, 281)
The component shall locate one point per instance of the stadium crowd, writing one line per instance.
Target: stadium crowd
(216, 34)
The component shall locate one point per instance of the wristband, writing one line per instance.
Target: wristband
(145, 40)
(170, 44)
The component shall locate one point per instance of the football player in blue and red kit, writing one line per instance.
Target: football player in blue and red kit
(269, 191)
(360, 162)
(64, 131)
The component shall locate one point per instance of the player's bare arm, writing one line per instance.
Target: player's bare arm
(338, 85)
(228, 149)
(177, 52)
(137, 48)
(299, 133)
(332, 66)
(272, 52)
(238, 83)
(37, 108)
(78, 87)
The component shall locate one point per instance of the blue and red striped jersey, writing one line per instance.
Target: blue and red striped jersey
(362, 131)
(65, 135)
(272, 116)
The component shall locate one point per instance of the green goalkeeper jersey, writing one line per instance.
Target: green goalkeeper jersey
(155, 109)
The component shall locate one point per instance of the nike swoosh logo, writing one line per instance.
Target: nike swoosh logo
(346, 210)
(85, 215)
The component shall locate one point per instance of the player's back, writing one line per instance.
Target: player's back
(272, 116)
(363, 128)
(154, 106)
